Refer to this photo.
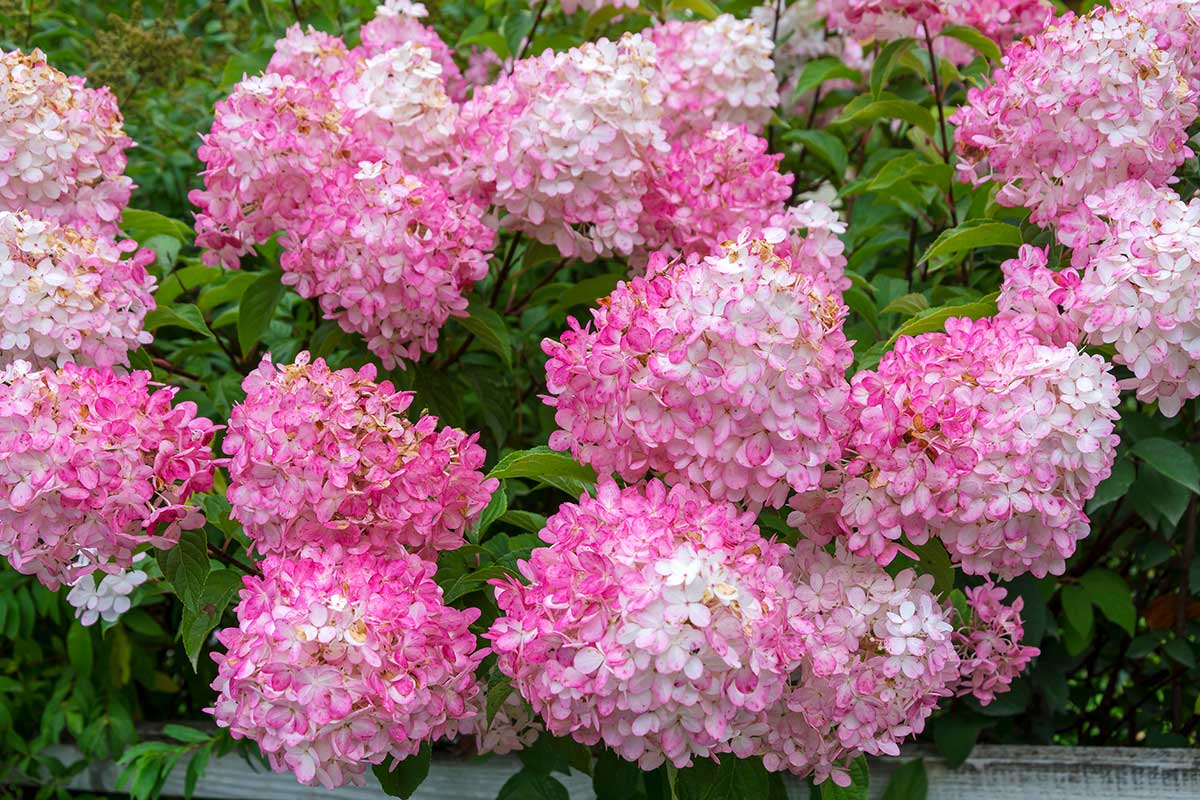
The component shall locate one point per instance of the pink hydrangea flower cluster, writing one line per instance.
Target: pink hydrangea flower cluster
(1138, 291)
(322, 457)
(342, 661)
(716, 71)
(560, 144)
(62, 147)
(656, 622)
(989, 645)
(1002, 21)
(708, 188)
(1089, 103)
(882, 20)
(391, 256)
(1176, 26)
(982, 436)
(398, 22)
(592, 6)
(94, 464)
(346, 152)
(1032, 297)
(65, 296)
(880, 655)
(727, 373)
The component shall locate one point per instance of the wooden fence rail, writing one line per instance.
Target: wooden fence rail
(991, 773)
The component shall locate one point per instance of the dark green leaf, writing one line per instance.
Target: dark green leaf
(825, 146)
(197, 624)
(404, 777)
(865, 111)
(614, 778)
(79, 648)
(1114, 487)
(860, 778)
(185, 733)
(935, 318)
(585, 292)
(732, 778)
(935, 561)
(257, 309)
(541, 463)
(1078, 609)
(530, 785)
(954, 735)
(1171, 460)
(495, 509)
(465, 584)
(489, 330)
(1181, 651)
(186, 567)
(909, 782)
(908, 305)
(498, 691)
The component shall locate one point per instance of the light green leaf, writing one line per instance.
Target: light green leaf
(495, 509)
(971, 235)
(1078, 608)
(885, 63)
(823, 69)
(1109, 593)
(974, 39)
(489, 39)
(540, 463)
(586, 292)
(935, 318)
(701, 8)
(184, 315)
(141, 226)
(864, 110)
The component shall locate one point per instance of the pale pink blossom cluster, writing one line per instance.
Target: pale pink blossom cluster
(341, 661)
(347, 152)
(708, 188)
(513, 727)
(727, 372)
(880, 656)
(981, 436)
(391, 256)
(322, 457)
(62, 147)
(1081, 107)
(989, 643)
(886, 20)
(1139, 288)
(94, 464)
(1002, 21)
(560, 145)
(882, 20)
(716, 71)
(1032, 298)
(592, 6)
(65, 296)
(398, 22)
(1176, 26)
(108, 598)
(656, 622)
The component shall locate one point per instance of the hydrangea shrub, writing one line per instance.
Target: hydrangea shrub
(705, 397)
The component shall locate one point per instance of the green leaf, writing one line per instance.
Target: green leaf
(144, 225)
(1109, 593)
(824, 69)
(495, 509)
(586, 292)
(184, 733)
(1114, 487)
(935, 561)
(530, 785)
(732, 778)
(935, 318)
(498, 691)
(257, 309)
(909, 782)
(614, 778)
(1181, 651)
(974, 39)
(525, 520)
(864, 110)
(860, 778)
(197, 624)
(885, 62)
(701, 8)
(825, 146)
(1171, 460)
(601, 18)
(908, 305)
(250, 62)
(541, 463)
(469, 582)
(79, 649)
(489, 329)
(489, 39)
(186, 567)
(404, 777)
(971, 235)
(955, 735)
(184, 315)
(1078, 609)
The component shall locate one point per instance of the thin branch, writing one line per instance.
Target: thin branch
(525, 45)
(505, 268)
(518, 305)
(937, 96)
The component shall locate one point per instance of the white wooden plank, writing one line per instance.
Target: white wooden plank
(991, 773)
